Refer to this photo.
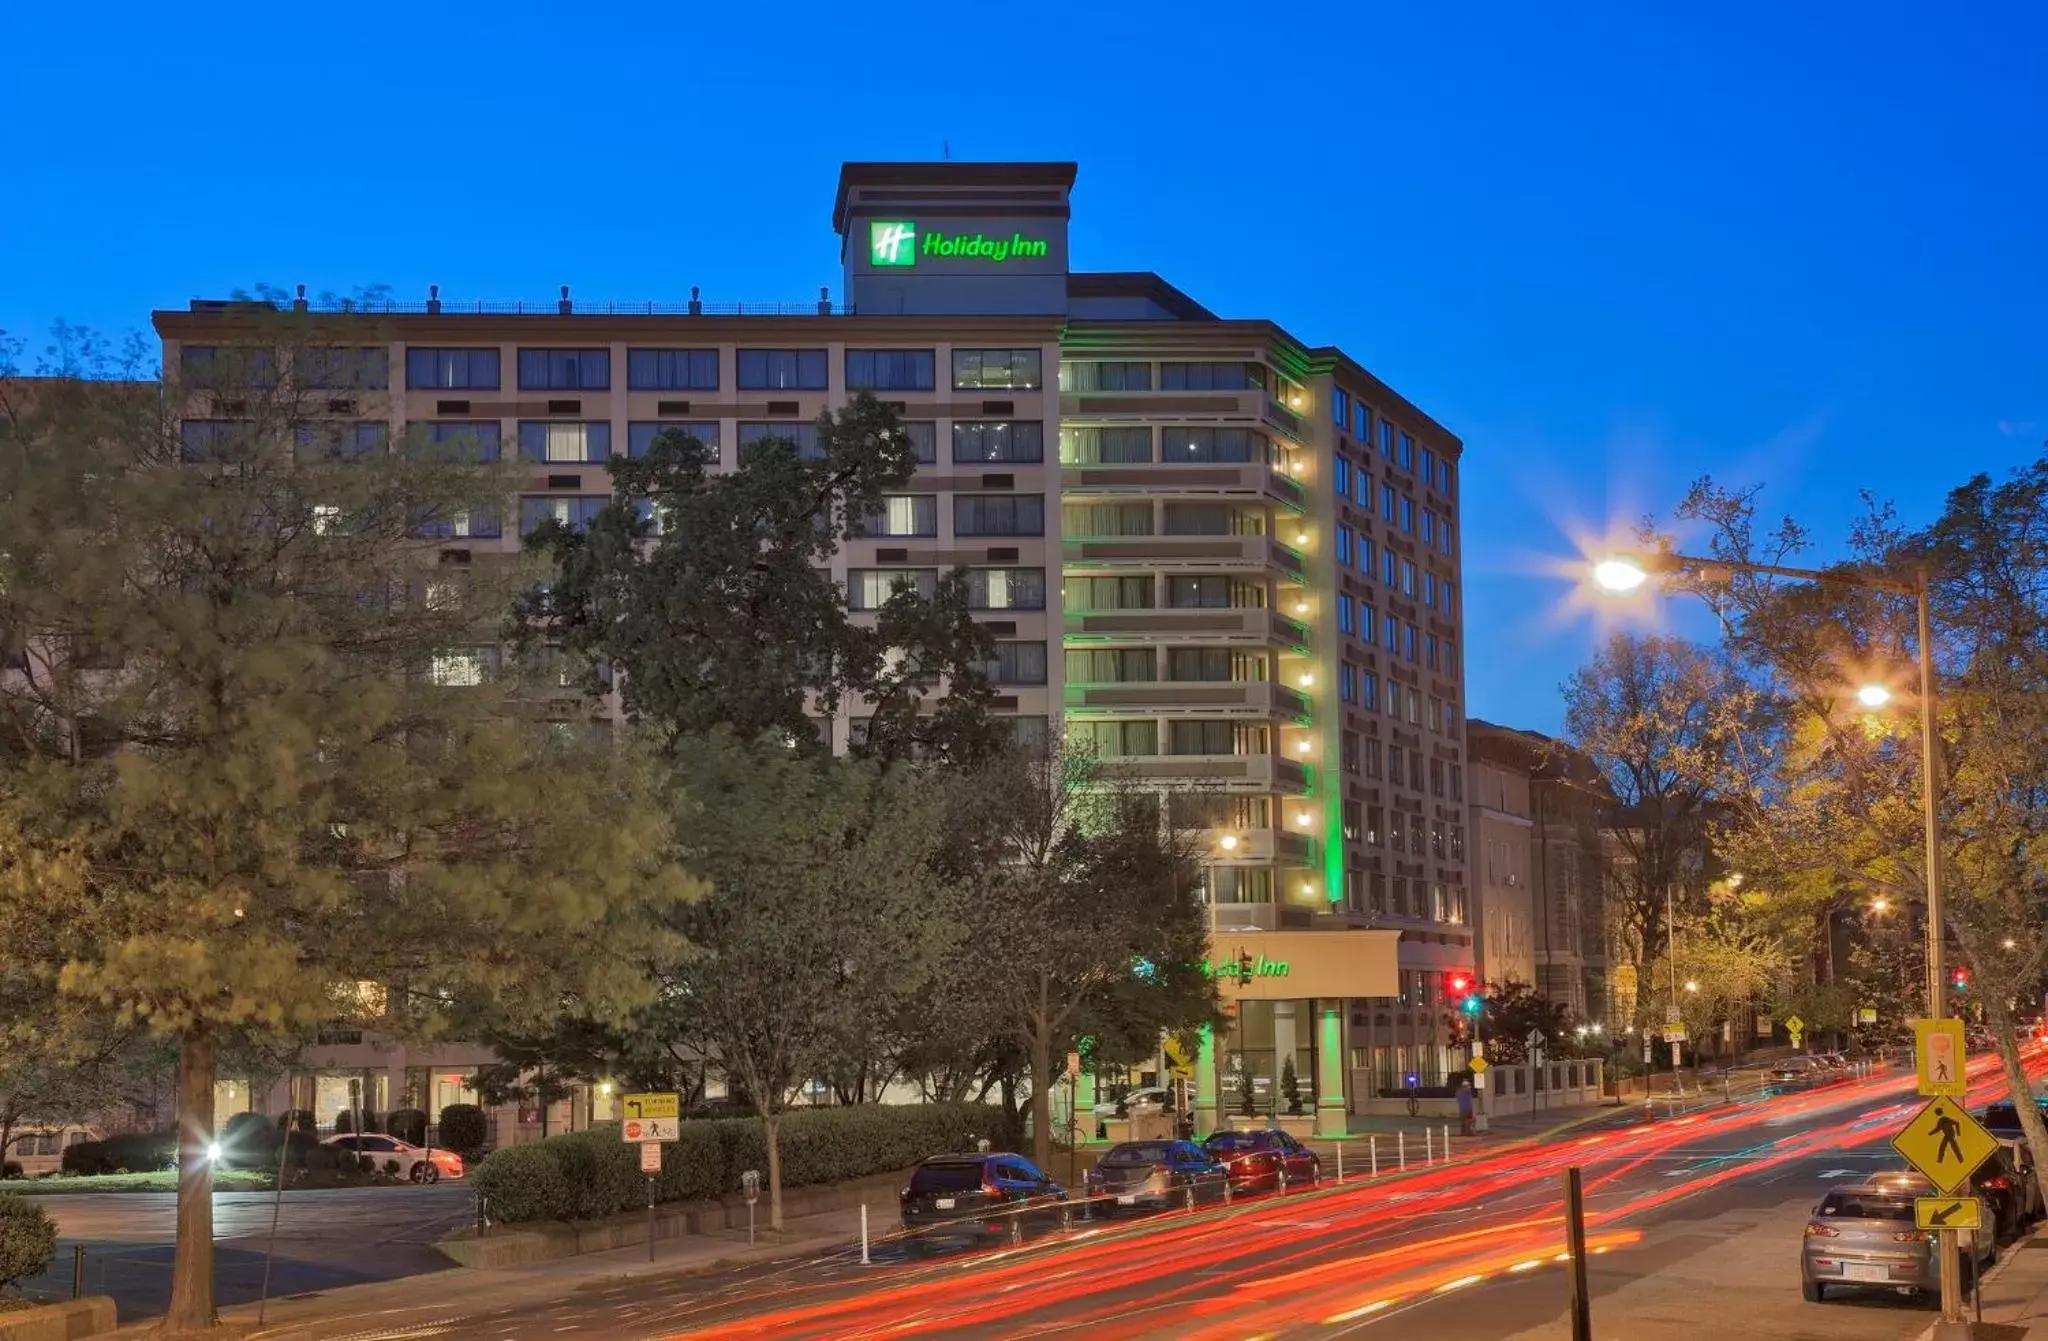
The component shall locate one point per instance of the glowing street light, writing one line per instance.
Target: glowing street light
(1620, 573)
(1691, 986)
(1873, 695)
(1880, 905)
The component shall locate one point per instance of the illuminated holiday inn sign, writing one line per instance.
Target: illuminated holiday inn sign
(900, 242)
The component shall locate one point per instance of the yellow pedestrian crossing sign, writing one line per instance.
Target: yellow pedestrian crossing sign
(1478, 1065)
(1948, 1213)
(1945, 1143)
(1938, 1059)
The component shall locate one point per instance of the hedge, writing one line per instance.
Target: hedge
(408, 1125)
(138, 1152)
(28, 1240)
(464, 1129)
(588, 1174)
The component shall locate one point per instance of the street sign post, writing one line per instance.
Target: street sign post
(1945, 1143)
(1938, 1059)
(655, 1105)
(651, 1129)
(1795, 1027)
(1948, 1213)
(1866, 1015)
(650, 1157)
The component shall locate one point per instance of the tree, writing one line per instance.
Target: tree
(1091, 892)
(710, 590)
(1835, 793)
(263, 779)
(1659, 717)
(543, 1067)
(1514, 1010)
(814, 864)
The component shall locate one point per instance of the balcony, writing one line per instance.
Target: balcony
(1193, 551)
(1284, 420)
(1227, 772)
(1264, 627)
(1232, 917)
(1250, 698)
(1250, 478)
(1263, 847)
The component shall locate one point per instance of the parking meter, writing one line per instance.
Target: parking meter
(750, 1183)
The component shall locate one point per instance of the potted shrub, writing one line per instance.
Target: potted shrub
(1293, 1120)
(1246, 1118)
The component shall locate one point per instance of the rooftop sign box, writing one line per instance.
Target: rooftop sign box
(901, 242)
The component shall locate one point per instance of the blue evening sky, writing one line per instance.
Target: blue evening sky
(1792, 244)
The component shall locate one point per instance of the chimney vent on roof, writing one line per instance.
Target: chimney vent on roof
(434, 298)
(299, 303)
(564, 306)
(696, 303)
(824, 301)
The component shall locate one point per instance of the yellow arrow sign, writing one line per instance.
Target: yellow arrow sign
(650, 1105)
(1794, 1025)
(1948, 1213)
(1938, 1058)
(1945, 1143)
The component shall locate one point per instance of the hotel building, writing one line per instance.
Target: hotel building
(1221, 557)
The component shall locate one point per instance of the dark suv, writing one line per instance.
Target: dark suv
(994, 1195)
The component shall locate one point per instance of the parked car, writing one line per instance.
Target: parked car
(1862, 1236)
(1138, 1103)
(985, 1196)
(2006, 1196)
(1152, 1175)
(2002, 1120)
(416, 1163)
(1255, 1160)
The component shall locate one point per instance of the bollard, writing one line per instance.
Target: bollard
(78, 1271)
(1340, 1163)
(1447, 1140)
(1373, 1146)
(1401, 1147)
(865, 1260)
(1428, 1147)
(1283, 1177)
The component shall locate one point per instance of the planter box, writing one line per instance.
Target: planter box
(1300, 1128)
(60, 1321)
(1239, 1122)
(1116, 1130)
(1152, 1127)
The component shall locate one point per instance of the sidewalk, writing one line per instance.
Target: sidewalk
(462, 1291)
(2015, 1294)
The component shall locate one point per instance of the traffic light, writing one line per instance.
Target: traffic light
(1960, 980)
(1473, 1004)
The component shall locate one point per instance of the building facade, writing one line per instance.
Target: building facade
(1503, 855)
(1221, 558)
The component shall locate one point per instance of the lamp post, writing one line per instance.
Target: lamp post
(1625, 573)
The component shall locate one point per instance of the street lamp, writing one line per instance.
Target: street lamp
(1626, 572)
(1691, 986)
(1880, 906)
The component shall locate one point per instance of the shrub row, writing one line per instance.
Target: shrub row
(587, 1174)
(136, 1152)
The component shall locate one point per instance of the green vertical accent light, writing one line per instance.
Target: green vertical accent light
(1331, 1119)
(1205, 1084)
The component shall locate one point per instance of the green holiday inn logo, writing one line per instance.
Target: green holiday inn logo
(897, 242)
(892, 242)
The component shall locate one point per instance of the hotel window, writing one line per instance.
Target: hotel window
(1374, 766)
(1386, 438)
(1111, 665)
(1443, 538)
(641, 436)
(782, 370)
(1375, 822)
(1114, 740)
(1347, 615)
(1429, 653)
(1394, 707)
(1395, 830)
(1212, 446)
(997, 442)
(1457, 782)
(472, 524)
(1344, 536)
(804, 435)
(353, 369)
(1428, 528)
(462, 668)
(1407, 457)
(1408, 578)
(1092, 376)
(871, 588)
(1238, 884)
(477, 437)
(1368, 625)
(1448, 592)
(1105, 446)
(1347, 683)
(451, 369)
(1028, 732)
(1366, 550)
(1363, 496)
(923, 436)
(1343, 477)
(1347, 755)
(1390, 573)
(1450, 657)
(1198, 810)
(1006, 589)
(1016, 663)
(1408, 649)
(547, 440)
(1352, 816)
(999, 514)
(1371, 698)
(1436, 713)
(904, 515)
(1105, 519)
(1211, 519)
(1436, 788)
(998, 369)
(1443, 477)
(1429, 590)
(213, 439)
(1216, 737)
(1218, 665)
(227, 368)
(1340, 407)
(1211, 376)
(1392, 628)
(672, 370)
(1214, 592)
(342, 441)
(576, 511)
(1107, 593)
(890, 369)
(1387, 501)
(565, 369)
(1361, 423)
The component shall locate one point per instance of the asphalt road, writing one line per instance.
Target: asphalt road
(326, 1237)
(1693, 1230)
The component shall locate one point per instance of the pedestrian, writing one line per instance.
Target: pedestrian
(1465, 1107)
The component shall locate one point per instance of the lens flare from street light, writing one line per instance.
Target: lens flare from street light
(1880, 905)
(1692, 987)
(1619, 574)
(1873, 695)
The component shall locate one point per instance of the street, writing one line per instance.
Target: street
(1692, 1221)
(325, 1238)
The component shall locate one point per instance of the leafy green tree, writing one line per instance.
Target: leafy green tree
(1091, 894)
(264, 776)
(1513, 1011)
(710, 590)
(1835, 792)
(817, 865)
